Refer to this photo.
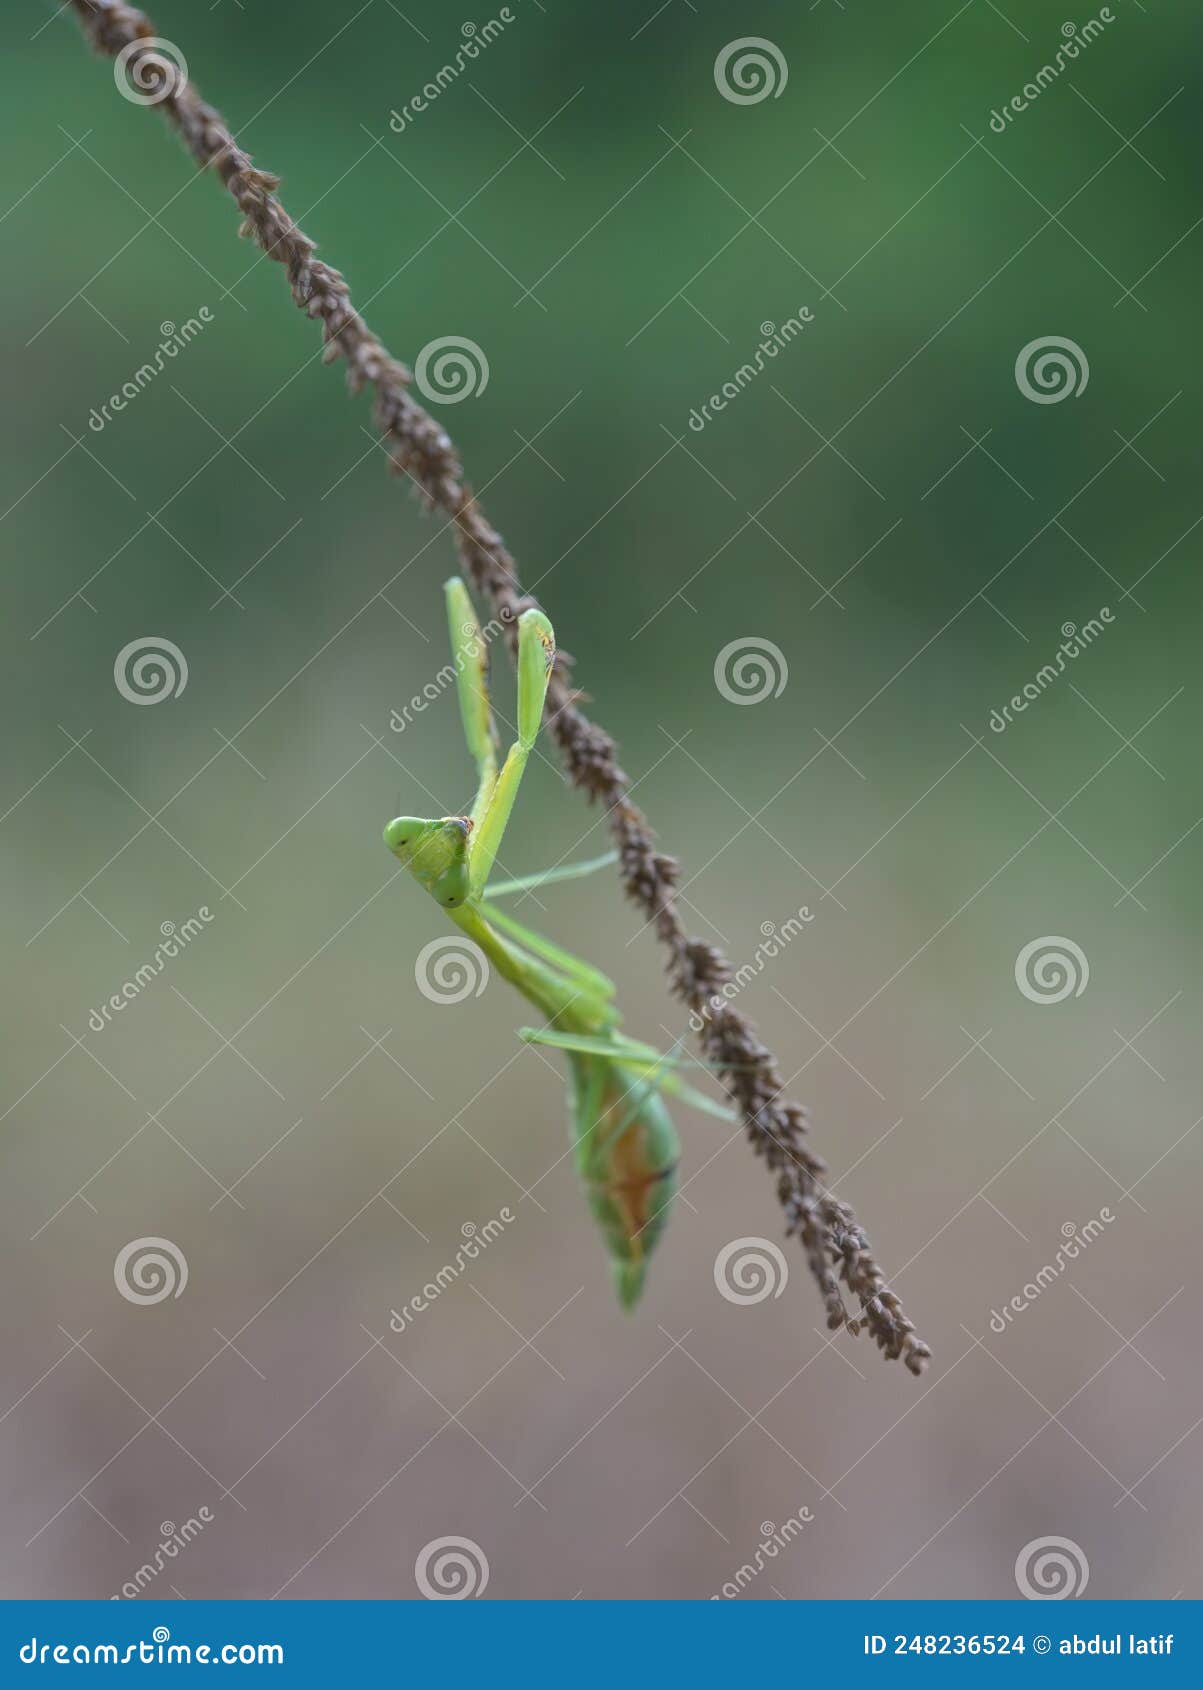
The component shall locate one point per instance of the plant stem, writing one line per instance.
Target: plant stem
(836, 1248)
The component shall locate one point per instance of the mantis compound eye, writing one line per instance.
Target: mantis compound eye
(451, 887)
(401, 833)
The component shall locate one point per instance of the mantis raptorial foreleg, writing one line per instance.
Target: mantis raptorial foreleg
(471, 656)
(536, 653)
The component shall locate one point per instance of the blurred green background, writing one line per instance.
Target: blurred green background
(883, 504)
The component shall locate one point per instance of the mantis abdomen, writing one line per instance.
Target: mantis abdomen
(626, 1156)
(626, 1145)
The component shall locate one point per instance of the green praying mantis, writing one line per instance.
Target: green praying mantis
(626, 1147)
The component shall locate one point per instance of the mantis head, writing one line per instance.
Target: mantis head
(435, 852)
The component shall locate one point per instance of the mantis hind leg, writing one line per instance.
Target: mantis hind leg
(635, 1058)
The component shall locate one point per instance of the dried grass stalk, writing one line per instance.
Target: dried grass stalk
(835, 1245)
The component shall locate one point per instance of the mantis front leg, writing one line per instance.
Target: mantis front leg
(536, 653)
(471, 658)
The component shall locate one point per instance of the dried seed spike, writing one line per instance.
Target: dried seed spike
(827, 1228)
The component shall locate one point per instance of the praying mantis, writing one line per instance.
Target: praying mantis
(626, 1147)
